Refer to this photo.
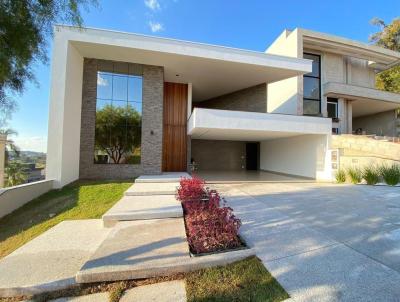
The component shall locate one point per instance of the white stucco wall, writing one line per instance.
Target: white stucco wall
(64, 113)
(12, 198)
(304, 155)
(284, 96)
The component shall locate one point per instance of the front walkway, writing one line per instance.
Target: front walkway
(324, 242)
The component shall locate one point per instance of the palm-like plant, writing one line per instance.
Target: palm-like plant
(10, 145)
(15, 174)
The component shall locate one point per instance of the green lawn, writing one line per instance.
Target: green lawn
(246, 280)
(81, 200)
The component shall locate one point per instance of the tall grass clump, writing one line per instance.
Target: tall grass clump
(355, 175)
(340, 176)
(390, 174)
(371, 175)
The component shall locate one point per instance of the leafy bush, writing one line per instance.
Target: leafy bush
(371, 175)
(355, 175)
(191, 189)
(340, 176)
(390, 174)
(210, 227)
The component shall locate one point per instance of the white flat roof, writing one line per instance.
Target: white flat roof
(252, 126)
(330, 43)
(213, 70)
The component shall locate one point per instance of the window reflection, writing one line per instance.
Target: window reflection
(118, 118)
(312, 86)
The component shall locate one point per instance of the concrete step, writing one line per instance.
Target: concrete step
(160, 292)
(148, 248)
(137, 249)
(142, 189)
(164, 177)
(143, 207)
(50, 261)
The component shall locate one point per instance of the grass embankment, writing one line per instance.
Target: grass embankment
(81, 200)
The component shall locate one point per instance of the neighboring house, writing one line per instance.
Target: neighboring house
(34, 173)
(123, 104)
(341, 86)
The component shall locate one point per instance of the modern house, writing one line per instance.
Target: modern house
(123, 104)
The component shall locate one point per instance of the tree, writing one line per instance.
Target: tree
(10, 145)
(118, 131)
(388, 37)
(24, 28)
(15, 174)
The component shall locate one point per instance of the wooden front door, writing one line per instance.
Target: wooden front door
(175, 133)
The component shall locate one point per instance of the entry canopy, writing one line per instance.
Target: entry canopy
(252, 126)
(212, 70)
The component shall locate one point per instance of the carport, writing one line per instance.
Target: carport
(287, 145)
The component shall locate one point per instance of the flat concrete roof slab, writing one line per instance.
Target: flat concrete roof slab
(336, 273)
(138, 249)
(98, 297)
(160, 292)
(143, 207)
(141, 189)
(164, 177)
(50, 261)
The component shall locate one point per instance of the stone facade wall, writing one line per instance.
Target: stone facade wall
(152, 125)
(218, 155)
(252, 99)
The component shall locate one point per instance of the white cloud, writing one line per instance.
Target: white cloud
(101, 81)
(152, 4)
(33, 143)
(156, 26)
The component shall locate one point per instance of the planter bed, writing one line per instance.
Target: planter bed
(211, 226)
(243, 246)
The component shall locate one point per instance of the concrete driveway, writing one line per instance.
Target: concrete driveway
(324, 242)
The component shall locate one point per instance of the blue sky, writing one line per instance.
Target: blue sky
(244, 24)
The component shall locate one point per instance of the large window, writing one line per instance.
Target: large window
(312, 87)
(118, 118)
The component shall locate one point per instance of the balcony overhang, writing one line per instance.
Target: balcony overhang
(252, 126)
(212, 70)
(365, 101)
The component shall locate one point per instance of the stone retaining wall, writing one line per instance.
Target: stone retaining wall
(364, 151)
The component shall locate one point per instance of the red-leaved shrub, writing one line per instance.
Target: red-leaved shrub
(210, 227)
(191, 189)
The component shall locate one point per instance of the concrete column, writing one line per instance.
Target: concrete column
(349, 117)
(3, 141)
(342, 115)
(62, 164)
